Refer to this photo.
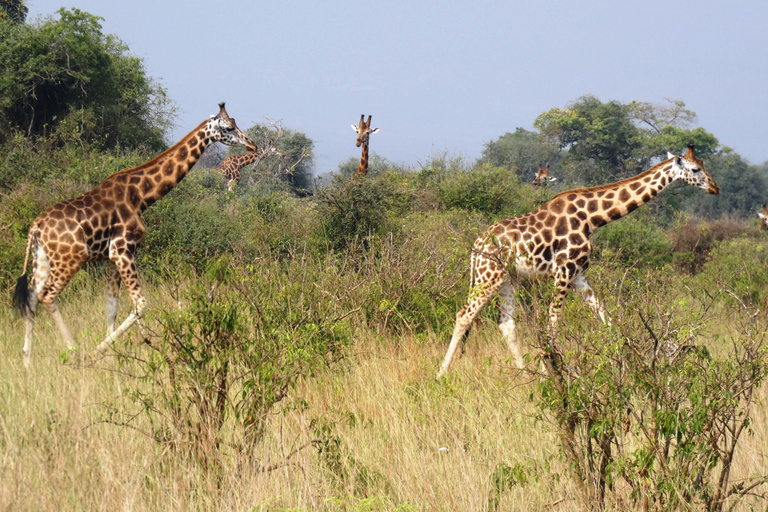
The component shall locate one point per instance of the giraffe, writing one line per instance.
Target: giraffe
(763, 218)
(230, 166)
(541, 176)
(363, 131)
(553, 242)
(105, 223)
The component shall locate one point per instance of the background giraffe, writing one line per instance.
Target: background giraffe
(105, 223)
(541, 176)
(553, 242)
(230, 166)
(763, 218)
(363, 131)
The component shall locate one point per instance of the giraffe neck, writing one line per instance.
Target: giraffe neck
(362, 169)
(611, 202)
(151, 181)
(240, 161)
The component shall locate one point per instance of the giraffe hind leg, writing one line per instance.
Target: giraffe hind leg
(507, 320)
(480, 295)
(113, 296)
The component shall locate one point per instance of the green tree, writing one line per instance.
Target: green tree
(295, 168)
(590, 130)
(610, 141)
(66, 76)
(13, 10)
(523, 151)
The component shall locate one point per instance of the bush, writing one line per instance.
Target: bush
(633, 240)
(643, 404)
(692, 241)
(243, 337)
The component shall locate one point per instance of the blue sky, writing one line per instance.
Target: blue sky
(444, 76)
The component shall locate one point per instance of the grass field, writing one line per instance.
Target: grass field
(377, 432)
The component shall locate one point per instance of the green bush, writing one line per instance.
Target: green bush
(633, 240)
(243, 337)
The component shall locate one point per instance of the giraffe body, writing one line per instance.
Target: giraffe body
(552, 242)
(363, 130)
(105, 223)
(230, 166)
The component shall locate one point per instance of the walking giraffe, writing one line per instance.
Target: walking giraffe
(105, 223)
(230, 166)
(363, 131)
(763, 218)
(553, 242)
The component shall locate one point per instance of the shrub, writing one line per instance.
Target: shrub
(242, 338)
(643, 405)
(632, 240)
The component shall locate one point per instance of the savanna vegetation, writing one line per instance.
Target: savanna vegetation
(288, 359)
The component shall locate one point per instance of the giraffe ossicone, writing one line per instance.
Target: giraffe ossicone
(552, 241)
(105, 223)
(363, 130)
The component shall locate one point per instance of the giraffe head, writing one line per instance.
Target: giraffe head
(363, 130)
(763, 218)
(222, 128)
(690, 169)
(273, 151)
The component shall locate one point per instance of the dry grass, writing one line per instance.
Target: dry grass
(395, 439)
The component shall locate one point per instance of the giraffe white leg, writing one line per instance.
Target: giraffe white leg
(480, 295)
(507, 320)
(113, 296)
(126, 266)
(585, 292)
(41, 271)
(30, 325)
(53, 309)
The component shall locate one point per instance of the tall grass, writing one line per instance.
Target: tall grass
(374, 432)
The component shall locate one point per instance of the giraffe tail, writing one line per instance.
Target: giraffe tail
(21, 294)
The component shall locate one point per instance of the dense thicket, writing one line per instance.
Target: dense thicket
(64, 75)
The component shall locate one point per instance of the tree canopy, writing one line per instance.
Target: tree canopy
(609, 141)
(64, 75)
(13, 10)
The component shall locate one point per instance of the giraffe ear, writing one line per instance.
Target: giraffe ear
(355, 128)
(374, 130)
(678, 161)
(670, 155)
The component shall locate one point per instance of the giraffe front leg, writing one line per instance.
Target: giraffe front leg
(507, 320)
(588, 295)
(113, 296)
(122, 255)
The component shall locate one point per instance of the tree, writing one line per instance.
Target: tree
(13, 10)
(523, 151)
(295, 168)
(65, 76)
(590, 130)
(610, 141)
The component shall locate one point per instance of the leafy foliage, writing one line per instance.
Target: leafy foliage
(13, 11)
(245, 336)
(65, 74)
(523, 151)
(645, 404)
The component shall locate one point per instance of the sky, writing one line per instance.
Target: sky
(443, 77)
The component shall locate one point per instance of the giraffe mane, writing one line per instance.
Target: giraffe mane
(159, 157)
(611, 185)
